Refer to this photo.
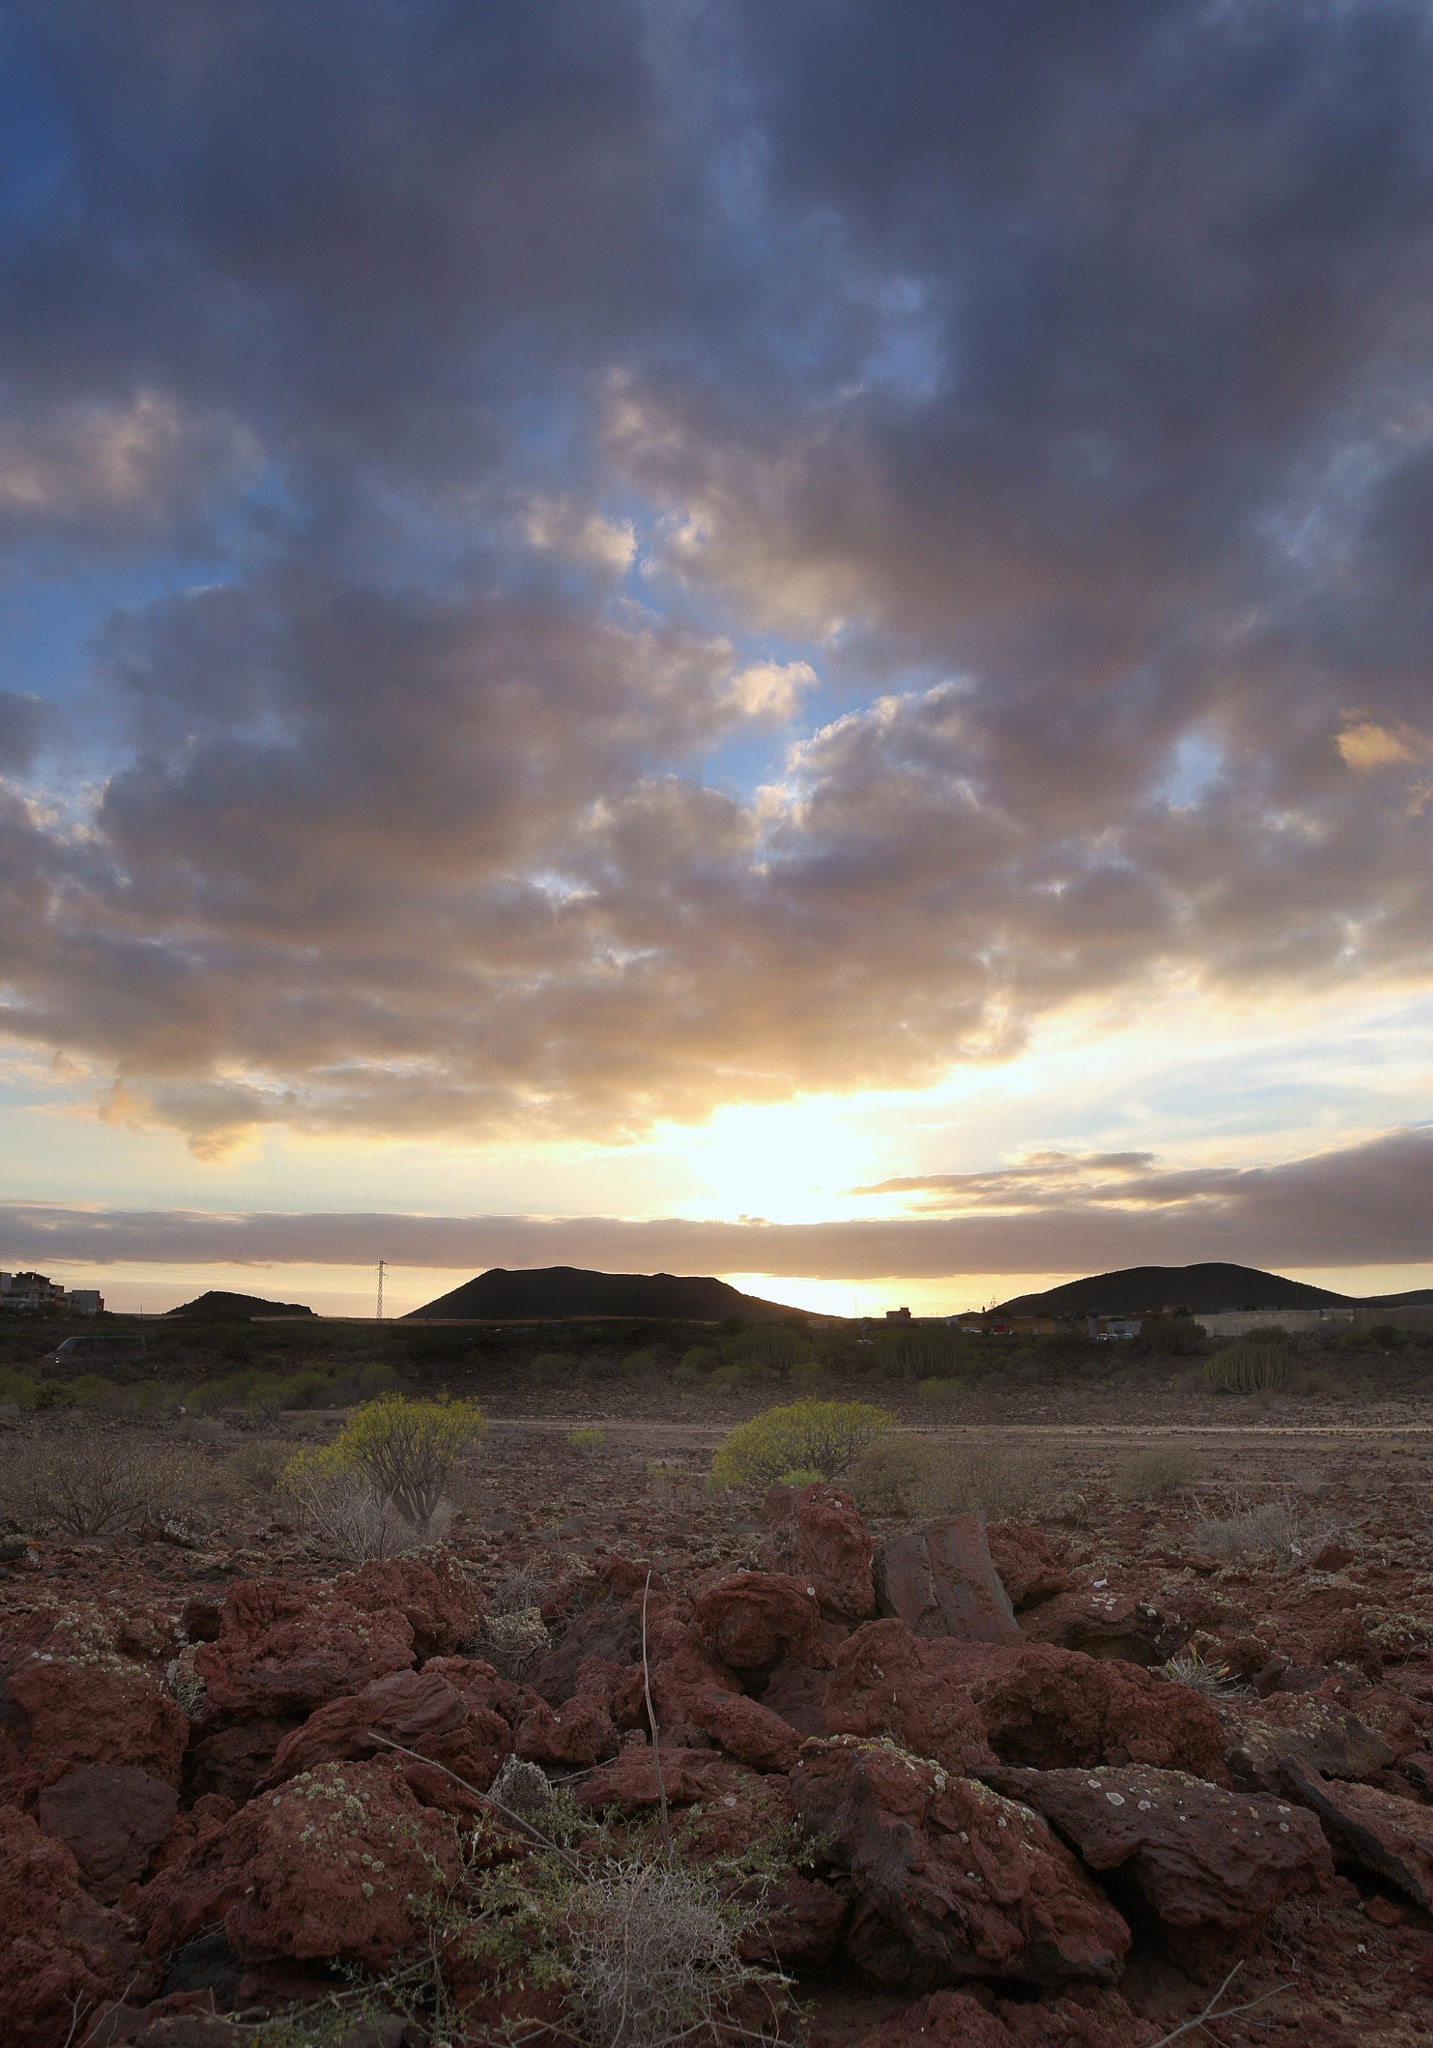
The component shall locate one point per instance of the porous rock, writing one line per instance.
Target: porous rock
(580, 1731)
(1209, 1865)
(1029, 1569)
(439, 1603)
(331, 1865)
(65, 1711)
(817, 1537)
(1299, 1728)
(281, 1651)
(111, 1818)
(951, 1880)
(445, 1712)
(1106, 1621)
(1389, 1835)
(1085, 2018)
(63, 1952)
(1032, 1705)
(940, 1581)
(751, 1621)
(801, 1924)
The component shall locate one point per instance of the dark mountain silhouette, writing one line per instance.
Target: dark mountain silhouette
(1204, 1289)
(541, 1293)
(218, 1307)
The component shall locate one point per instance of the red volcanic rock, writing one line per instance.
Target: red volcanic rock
(280, 1650)
(231, 1761)
(951, 1880)
(681, 1671)
(889, 1682)
(1210, 1865)
(1029, 1569)
(582, 1730)
(818, 1538)
(332, 1865)
(1298, 1728)
(802, 1921)
(438, 1602)
(1105, 1622)
(445, 1712)
(940, 1582)
(1390, 1836)
(964, 1702)
(753, 1620)
(66, 1712)
(687, 1776)
(745, 1729)
(606, 1621)
(963, 2019)
(62, 1952)
(797, 1694)
(111, 1818)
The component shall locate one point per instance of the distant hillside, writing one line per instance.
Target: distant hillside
(218, 1307)
(1205, 1289)
(543, 1292)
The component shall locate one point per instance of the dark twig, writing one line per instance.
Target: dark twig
(652, 1723)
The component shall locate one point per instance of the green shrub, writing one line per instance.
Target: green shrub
(807, 1376)
(401, 1450)
(699, 1361)
(1175, 1336)
(1249, 1369)
(309, 1388)
(17, 1387)
(208, 1397)
(1386, 1336)
(806, 1436)
(550, 1368)
(155, 1398)
(90, 1390)
(636, 1363)
(738, 1374)
(945, 1392)
(920, 1350)
(587, 1438)
(1158, 1473)
(774, 1344)
(800, 1478)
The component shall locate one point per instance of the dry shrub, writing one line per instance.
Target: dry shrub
(1269, 1530)
(1158, 1473)
(349, 1518)
(88, 1482)
(255, 1470)
(908, 1476)
(653, 1958)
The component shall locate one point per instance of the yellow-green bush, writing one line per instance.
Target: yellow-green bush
(402, 1450)
(16, 1387)
(1249, 1369)
(804, 1436)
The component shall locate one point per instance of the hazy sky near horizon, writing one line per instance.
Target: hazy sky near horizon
(791, 639)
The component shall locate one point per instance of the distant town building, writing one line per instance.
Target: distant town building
(898, 1315)
(29, 1291)
(85, 1301)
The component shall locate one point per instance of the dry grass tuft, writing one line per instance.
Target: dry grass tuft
(87, 1481)
(908, 1476)
(1158, 1473)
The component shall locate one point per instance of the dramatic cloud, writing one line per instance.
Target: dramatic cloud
(681, 555)
(1363, 1205)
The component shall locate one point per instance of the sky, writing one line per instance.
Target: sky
(772, 639)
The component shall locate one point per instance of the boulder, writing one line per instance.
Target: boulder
(437, 1600)
(940, 1582)
(63, 1953)
(62, 1712)
(890, 1682)
(281, 1651)
(688, 1776)
(963, 2019)
(1046, 1708)
(797, 1695)
(230, 1762)
(752, 1621)
(1389, 1835)
(951, 1881)
(1029, 1569)
(817, 1537)
(579, 1732)
(111, 1818)
(1299, 1728)
(1105, 1622)
(605, 1620)
(1210, 1866)
(801, 1924)
(331, 1866)
(445, 1712)
(745, 1729)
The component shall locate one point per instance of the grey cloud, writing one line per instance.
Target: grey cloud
(1061, 372)
(1359, 1205)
